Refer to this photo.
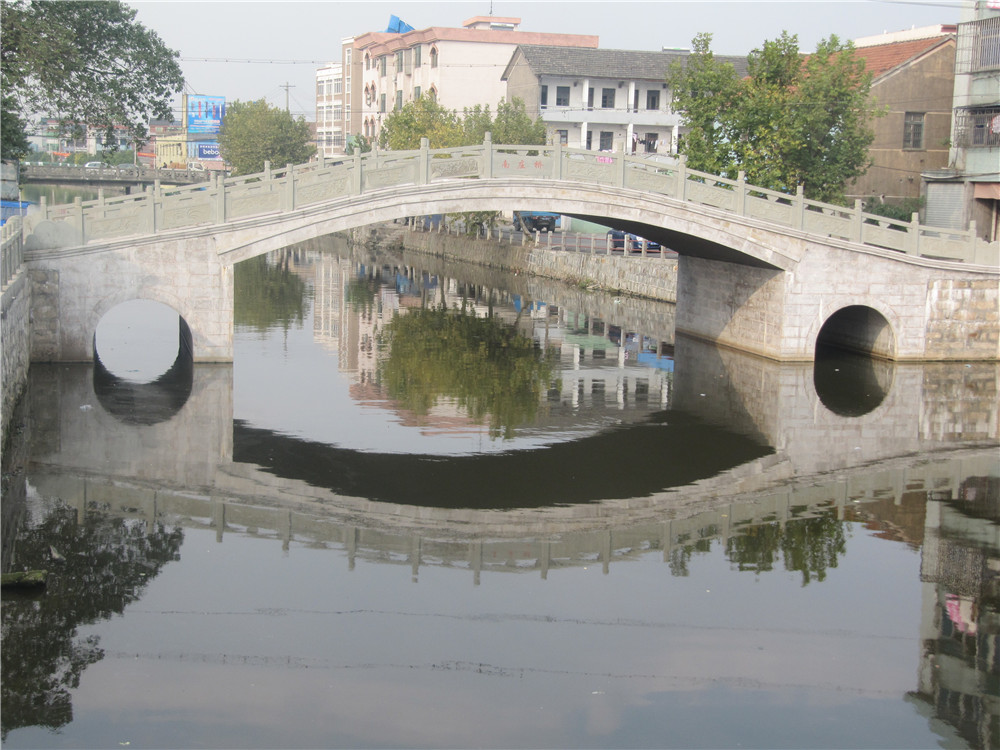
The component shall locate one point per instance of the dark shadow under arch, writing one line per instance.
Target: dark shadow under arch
(148, 403)
(858, 328)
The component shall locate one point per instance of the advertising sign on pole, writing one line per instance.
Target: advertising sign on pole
(205, 113)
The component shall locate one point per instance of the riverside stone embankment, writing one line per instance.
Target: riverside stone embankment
(650, 277)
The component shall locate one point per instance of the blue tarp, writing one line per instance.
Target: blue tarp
(12, 208)
(398, 26)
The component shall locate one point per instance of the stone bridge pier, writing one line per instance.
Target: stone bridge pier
(919, 309)
(71, 292)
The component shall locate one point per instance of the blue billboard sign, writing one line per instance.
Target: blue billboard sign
(205, 113)
(208, 150)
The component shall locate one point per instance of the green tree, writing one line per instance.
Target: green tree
(360, 144)
(422, 118)
(255, 132)
(512, 125)
(84, 63)
(704, 89)
(791, 121)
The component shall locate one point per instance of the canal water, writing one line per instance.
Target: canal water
(437, 506)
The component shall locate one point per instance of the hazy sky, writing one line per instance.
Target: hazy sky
(287, 41)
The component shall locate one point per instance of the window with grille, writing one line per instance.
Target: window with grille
(543, 98)
(652, 99)
(913, 130)
(607, 140)
(977, 127)
(607, 98)
(562, 96)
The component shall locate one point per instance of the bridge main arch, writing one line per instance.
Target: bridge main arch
(743, 281)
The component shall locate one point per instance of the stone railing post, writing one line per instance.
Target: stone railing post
(151, 206)
(973, 240)
(741, 193)
(486, 165)
(800, 207)
(78, 220)
(557, 161)
(289, 187)
(43, 206)
(423, 173)
(913, 235)
(682, 177)
(620, 171)
(220, 199)
(857, 234)
(356, 182)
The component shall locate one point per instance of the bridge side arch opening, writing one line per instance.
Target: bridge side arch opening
(859, 329)
(143, 362)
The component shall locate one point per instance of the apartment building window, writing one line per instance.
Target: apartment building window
(563, 136)
(650, 142)
(607, 140)
(399, 61)
(381, 102)
(543, 100)
(434, 57)
(416, 93)
(607, 98)
(319, 88)
(562, 96)
(652, 99)
(635, 101)
(399, 100)
(416, 56)
(338, 86)
(338, 113)
(590, 99)
(913, 130)
(382, 65)
(590, 140)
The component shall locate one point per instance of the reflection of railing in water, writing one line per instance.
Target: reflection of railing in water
(480, 550)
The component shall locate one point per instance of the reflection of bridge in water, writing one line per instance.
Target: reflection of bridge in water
(798, 452)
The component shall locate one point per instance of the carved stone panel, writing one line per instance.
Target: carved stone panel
(403, 174)
(445, 168)
(322, 191)
(251, 205)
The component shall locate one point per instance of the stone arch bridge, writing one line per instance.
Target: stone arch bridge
(759, 271)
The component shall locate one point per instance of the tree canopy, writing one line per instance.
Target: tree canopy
(443, 128)
(793, 120)
(255, 132)
(85, 64)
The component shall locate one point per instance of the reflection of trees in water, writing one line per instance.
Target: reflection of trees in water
(808, 545)
(267, 294)
(485, 365)
(106, 564)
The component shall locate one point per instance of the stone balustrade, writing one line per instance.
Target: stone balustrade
(225, 200)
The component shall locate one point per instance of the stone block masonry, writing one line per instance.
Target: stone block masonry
(15, 338)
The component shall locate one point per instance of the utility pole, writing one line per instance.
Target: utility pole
(286, 86)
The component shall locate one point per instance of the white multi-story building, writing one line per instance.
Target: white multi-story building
(458, 67)
(600, 99)
(330, 109)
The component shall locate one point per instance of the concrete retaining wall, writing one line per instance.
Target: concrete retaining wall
(652, 278)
